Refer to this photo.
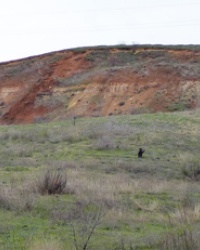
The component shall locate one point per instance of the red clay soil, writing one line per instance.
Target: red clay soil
(99, 82)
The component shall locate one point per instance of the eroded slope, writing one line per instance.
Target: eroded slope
(99, 82)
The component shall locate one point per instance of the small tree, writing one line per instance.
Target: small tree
(87, 218)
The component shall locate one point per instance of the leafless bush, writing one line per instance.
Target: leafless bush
(52, 182)
(182, 236)
(191, 171)
(86, 218)
(15, 199)
(185, 239)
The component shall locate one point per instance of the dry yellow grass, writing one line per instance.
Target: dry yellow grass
(49, 244)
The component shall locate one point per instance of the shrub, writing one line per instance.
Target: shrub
(87, 217)
(191, 171)
(15, 199)
(185, 240)
(52, 183)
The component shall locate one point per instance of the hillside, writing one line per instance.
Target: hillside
(108, 198)
(100, 81)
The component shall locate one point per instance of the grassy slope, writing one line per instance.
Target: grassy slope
(142, 200)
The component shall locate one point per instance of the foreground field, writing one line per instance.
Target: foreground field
(66, 186)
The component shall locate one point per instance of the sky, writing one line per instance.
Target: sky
(33, 27)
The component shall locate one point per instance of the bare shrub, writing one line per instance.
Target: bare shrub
(185, 215)
(83, 217)
(185, 239)
(182, 236)
(15, 199)
(52, 182)
(191, 171)
(86, 218)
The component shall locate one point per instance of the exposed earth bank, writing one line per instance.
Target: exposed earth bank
(99, 81)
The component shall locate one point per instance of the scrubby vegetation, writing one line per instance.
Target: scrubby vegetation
(82, 186)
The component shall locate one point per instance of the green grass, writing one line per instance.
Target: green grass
(141, 199)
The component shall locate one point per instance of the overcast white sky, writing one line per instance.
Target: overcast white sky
(31, 27)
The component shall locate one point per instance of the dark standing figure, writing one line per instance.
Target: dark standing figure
(140, 152)
(74, 120)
